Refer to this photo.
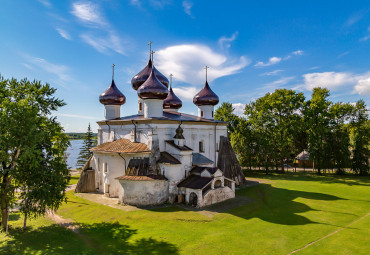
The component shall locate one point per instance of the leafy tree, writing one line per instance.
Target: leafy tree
(226, 113)
(361, 130)
(32, 146)
(85, 152)
(276, 116)
(316, 116)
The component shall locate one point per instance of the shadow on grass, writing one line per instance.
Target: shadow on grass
(277, 205)
(98, 238)
(348, 179)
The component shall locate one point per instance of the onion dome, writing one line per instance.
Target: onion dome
(205, 97)
(152, 88)
(179, 132)
(143, 75)
(112, 96)
(172, 101)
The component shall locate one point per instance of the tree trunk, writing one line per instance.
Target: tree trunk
(25, 221)
(4, 215)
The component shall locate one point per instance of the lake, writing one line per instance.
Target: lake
(73, 151)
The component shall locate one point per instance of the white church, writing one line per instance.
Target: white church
(161, 155)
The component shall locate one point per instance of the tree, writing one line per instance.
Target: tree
(316, 117)
(226, 113)
(32, 146)
(361, 144)
(85, 152)
(276, 117)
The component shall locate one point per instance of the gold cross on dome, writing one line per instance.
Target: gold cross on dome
(206, 67)
(171, 75)
(150, 48)
(113, 71)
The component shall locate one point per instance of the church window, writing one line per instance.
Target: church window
(201, 147)
(105, 167)
(201, 113)
(212, 114)
(140, 107)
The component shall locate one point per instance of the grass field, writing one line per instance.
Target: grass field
(286, 213)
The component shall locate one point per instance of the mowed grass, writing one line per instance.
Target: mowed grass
(74, 179)
(286, 213)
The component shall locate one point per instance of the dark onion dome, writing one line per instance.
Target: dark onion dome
(112, 96)
(143, 75)
(206, 96)
(152, 88)
(179, 132)
(172, 101)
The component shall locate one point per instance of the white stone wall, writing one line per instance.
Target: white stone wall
(112, 112)
(153, 108)
(193, 135)
(141, 193)
(116, 166)
(216, 195)
(206, 111)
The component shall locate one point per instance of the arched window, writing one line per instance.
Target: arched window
(140, 107)
(201, 146)
(201, 113)
(105, 167)
(218, 184)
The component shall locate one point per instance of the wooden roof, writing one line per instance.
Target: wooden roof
(167, 158)
(195, 182)
(142, 178)
(122, 146)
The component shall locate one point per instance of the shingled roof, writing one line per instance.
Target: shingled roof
(122, 146)
(142, 178)
(167, 158)
(199, 159)
(195, 182)
(181, 148)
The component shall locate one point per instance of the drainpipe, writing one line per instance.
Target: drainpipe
(215, 144)
(106, 122)
(134, 131)
(124, 160)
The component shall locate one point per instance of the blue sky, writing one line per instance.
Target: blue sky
(252, 47)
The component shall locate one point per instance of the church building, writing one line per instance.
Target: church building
(161, 155)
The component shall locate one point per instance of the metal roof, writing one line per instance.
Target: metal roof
(199, 159)
(142, 178)
(122, 146)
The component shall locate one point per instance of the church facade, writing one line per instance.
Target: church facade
(161, 155)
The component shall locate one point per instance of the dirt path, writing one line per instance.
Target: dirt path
(330, 234)
(73, 226)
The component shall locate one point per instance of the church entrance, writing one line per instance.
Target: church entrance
(193, 199)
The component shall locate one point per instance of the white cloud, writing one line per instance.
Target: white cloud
(272, 61)
(187, 63)
(88, 13)
(64, 33)
(45, 3)
(78, 116)
(239, 109)
(362, 87)
(330, 80)
(61, 71)
(298, 52)
(225, 42)
(282, 81)
(103, 43)
(187, 7)
(186, 93)
(135, 2)
(275, 72)
(275, 60)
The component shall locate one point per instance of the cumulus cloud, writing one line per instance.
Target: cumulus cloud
(63, 33)
(187, 7)
(88, 13)
(186, 93)
(187, 63)
(239, 109)
(272, 61)
(330, 80)
(225, 42)
(362, 87)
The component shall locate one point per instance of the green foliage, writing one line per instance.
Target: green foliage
(32, 147)
(85, 152)
(79, 136)
(226, 113)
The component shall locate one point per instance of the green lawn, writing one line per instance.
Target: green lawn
(74, 179)
(285, 213)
